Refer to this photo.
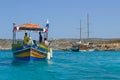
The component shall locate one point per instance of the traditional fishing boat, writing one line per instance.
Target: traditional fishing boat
(34, 51)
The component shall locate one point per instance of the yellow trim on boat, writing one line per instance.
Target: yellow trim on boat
(40, 56)
(23, 55)
(32, 54)
(44, 47)
(17, 45)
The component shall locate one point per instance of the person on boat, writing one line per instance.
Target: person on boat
(46, 42)
(40, 37)
(30, 42)
(26, 39)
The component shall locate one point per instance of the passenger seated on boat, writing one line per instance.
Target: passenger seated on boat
(26, 39)
(30, 42)
(46, 42)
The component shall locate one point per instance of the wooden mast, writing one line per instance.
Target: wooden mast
(88, 27)
(80, 31)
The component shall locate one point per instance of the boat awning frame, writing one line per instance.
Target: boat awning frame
(29, 27)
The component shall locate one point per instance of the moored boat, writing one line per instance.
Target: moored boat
(33, 51)
(82, 45)
(75, 48)
(86, 47)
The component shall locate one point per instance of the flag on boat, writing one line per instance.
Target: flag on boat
(47, 24)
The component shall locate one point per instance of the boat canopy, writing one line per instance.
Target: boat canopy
(28, 26)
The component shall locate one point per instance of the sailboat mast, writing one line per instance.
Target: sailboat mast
(80, 31)
(88, 26)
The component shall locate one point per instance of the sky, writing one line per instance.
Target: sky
(64, 17)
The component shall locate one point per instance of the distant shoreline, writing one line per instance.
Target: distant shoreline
(65, 44)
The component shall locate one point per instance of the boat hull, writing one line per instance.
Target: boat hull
(29, 54)
(82, 48)
(75, 49)
(89, 50)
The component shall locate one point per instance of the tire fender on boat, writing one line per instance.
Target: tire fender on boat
(48, 55)
(51, 55)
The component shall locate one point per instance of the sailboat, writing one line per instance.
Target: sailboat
(81, 46)
(85, 46)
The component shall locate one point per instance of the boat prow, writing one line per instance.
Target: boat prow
(31, 53)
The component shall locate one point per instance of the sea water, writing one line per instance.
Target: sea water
(65, 65)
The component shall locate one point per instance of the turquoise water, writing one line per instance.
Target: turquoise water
(65, 65)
